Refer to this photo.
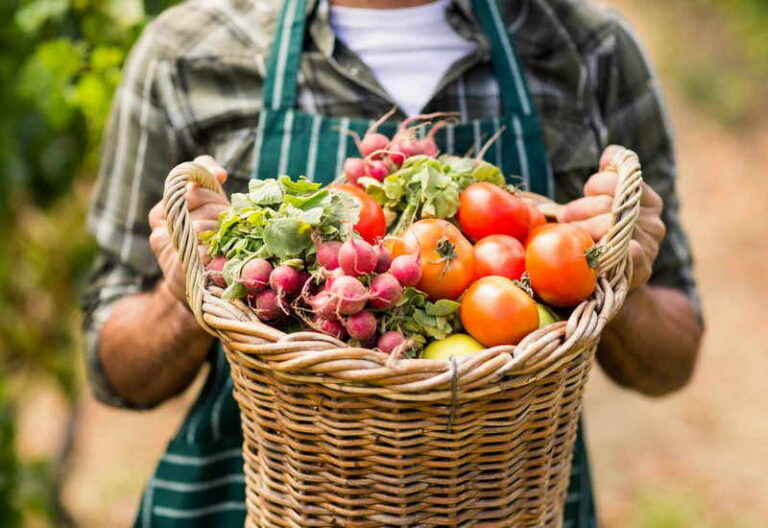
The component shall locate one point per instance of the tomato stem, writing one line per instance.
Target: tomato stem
(446, 249)
(524, 283)
(593, 256)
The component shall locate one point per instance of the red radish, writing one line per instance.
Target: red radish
(322, 304)
(285, 280)
(354, 169)
(373, 142)
(303, 279)
(396, 157)
(383, 260)
(348, 295)
(267, 306)
(255, 274)
(376, 169)
(332, 276)
(405, 145)
(390, 341)
(385, 291)
(361, 326)
(215, 267)
(332, 327)
(406, 270)
(428, 146)
(357, 257)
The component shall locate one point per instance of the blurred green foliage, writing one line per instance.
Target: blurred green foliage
(61, 61)
(668, 508)
(720, 61)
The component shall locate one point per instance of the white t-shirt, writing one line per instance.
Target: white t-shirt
(408, 49)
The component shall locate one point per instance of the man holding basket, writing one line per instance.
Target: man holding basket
(224, 81)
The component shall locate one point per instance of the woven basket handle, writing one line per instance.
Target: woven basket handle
(183, 237)
(614, 259)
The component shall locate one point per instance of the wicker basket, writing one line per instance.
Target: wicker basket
(349, 437)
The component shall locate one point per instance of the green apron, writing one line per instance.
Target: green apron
(199, 481)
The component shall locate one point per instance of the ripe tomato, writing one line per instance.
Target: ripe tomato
(556, 260)
(486, 209)
(497, 312)
(447, 258)
(372, 225)
(536, 216)
(499, 255)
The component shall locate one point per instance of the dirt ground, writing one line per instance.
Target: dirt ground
(702, 453)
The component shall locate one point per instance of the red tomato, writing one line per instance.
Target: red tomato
(486, 209)
(537, 218)
(499, 255)
(496, 312)
(446, 257)
(556, 261)
(372, 225)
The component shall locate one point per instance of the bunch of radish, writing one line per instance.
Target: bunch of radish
(353, 285)
(382, 155)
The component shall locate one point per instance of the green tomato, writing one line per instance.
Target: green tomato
(546, 316)
(452, 346)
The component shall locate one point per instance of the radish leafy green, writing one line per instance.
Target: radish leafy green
(425, 187)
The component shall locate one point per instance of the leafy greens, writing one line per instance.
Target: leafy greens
(426, 187)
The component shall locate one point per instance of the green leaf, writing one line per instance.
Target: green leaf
(312, 217)
(234, 291)
(317, 199)
(232, 269)
(32, 16)
(343, 209)
(442, 308)
(299, 186)
(265, 192)
(287, 237)
(488, 173)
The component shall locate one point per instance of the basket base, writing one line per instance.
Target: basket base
(320, 457)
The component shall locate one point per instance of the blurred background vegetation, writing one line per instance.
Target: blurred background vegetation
(61, 61)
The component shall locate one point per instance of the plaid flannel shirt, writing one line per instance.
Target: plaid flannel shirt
(192, 86)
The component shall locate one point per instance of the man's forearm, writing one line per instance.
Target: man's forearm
(151, 347)
(652, 344)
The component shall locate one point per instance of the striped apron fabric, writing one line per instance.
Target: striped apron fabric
(199, 481)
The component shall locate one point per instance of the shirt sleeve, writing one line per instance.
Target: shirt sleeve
(138, 152)
(634, 116)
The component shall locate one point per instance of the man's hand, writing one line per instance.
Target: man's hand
(651, 344)
(593, 214)
(146, 368)
(204, 207)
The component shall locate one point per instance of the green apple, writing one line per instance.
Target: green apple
(452, 346)
(546, 316)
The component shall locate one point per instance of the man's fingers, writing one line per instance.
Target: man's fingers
(641, 267)
(608, 153)
(197, 197)
(213, 167)
(585, 208)
(601, 183)
(159, 239)
(597, 226)
(605, 183)
(201, 226)
(157, 214)
(209, 211)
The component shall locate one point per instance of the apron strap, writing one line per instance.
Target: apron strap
(515, 97)
(280, 87)
(284, 63)
(525, 137)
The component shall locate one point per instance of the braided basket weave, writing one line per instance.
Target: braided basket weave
(349, 437)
